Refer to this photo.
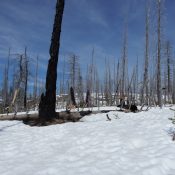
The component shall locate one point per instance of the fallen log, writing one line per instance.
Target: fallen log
(19, 117)
(64, 115)
(61, 117)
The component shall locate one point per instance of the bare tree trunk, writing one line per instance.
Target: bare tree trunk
(72, 94)
(102, 96)
(80, 88)
(73, 63)
(97, 88)
(109, 85)
(145, 77)
(91, 79)
(114, 82)
(6, 82)
(106, 85)
(134, 85)
(159, 94)
(8, 66)
(124, 57)
(4, 89)
(173, 93)
(87, 98)
(63, 80)
(137, 80)
(35, 90)
(26, 80)
(168, 71)
(118, 85)
(48, 100)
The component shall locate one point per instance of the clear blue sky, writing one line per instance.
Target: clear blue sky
(87, 24)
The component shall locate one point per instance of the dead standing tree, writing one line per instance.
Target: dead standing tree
(168, 71)
(35, 88)
(159, 94)
(124, 68)
(146, 65)
(26, 73)
(48, 100)
(5, 89)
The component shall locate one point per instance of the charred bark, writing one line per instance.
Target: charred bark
(72, 94)
(48, 100)
(26, 80)
(88, 98)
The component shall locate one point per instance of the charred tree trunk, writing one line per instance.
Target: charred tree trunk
(35, 88)
(26, 80)
(87, 98)
(168, 75)
(48, 100)
(72, 96)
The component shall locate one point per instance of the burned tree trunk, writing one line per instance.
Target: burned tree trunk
(35, 88)
(26, 80)
(72, 94)
(88, 98)
(48, 100)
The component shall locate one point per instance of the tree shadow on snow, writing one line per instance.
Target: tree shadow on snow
(8, 126)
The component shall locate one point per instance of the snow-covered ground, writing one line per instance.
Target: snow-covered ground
(130, 144)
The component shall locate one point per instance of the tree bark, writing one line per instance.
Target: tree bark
(145, 76)
(159, 95)
(35, 88)
(26, 80)
(48, 100)
(72, 94)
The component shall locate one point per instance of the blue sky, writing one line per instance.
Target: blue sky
(87, 24)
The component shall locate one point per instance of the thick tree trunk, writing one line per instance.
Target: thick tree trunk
(48, 100)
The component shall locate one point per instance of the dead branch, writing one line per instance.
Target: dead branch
(108, 118)
(116, 116)
(142, 107)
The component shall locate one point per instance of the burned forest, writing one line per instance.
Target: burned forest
(87, 87)
(73, 86)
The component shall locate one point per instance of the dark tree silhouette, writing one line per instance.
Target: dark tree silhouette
(88, 98)
(72, 96)
(48, 100)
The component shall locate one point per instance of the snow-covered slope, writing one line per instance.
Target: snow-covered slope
(133, 144)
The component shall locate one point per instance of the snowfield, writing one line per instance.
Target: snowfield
(129, 144)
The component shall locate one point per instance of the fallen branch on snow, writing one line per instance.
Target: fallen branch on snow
(108, 118)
